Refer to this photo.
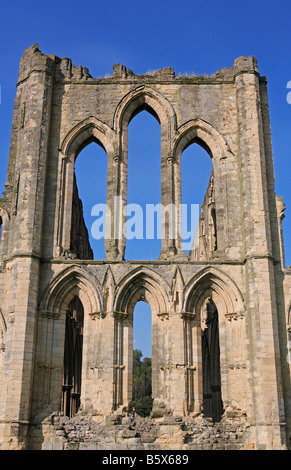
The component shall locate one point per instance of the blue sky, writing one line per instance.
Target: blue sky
(191, 36)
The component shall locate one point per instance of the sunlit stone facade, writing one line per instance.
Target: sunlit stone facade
(220, 317)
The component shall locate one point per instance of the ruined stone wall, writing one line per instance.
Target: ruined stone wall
(205, 239)
(59, 109)
(133, 433)
(80, 245)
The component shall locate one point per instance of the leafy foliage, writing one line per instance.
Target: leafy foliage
(142, 384)
(143, 406)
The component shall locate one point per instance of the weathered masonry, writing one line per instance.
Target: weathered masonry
(220, 317)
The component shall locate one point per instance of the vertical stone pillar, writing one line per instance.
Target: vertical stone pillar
(169, 216)
(121, 183)
(182, 396)
(97, 394)
(121, 374)
(114, 242)
(161, 367)
(29, 158)
(268, 413)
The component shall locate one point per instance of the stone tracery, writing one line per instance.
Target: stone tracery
(233, 291)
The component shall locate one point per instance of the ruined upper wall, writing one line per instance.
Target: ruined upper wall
(34, 60)
(218, 108)
(80, 95)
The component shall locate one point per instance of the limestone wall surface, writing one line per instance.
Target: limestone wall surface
(59, 109)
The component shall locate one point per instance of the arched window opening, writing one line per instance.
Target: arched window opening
(1, 225)
(142, 363)
(212, 400)
(143, 235)
(89, 203)
(198, 203)
(72, 375)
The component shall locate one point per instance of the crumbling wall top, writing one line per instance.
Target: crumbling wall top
(34, 60)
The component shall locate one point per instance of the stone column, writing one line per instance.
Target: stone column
(121, 373)
(169, 220)
(183, 370)
(266, 388)
(98, 368)
(28, 180)
(114, 243)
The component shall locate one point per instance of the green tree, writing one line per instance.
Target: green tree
(142, 384)
(143, 406)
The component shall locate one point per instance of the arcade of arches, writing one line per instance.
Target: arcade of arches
(220, 320)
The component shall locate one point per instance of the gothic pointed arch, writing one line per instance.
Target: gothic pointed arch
(209, 281)
(108, 289)
(215, 303)
(89, 130)
(73, 358)
(177, 290)
(68, 309)
(139, 284)
(84, 133)
(4, 214)
(142, 284)
(144, 97)
(70, 282)
(205, 134)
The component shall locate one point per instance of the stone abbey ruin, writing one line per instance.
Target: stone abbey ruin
(220, 316)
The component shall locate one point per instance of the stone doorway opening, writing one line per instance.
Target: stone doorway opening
(72, 374)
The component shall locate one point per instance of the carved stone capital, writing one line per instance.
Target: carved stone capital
(120, 315)
(234, 316)
(94, 315)
(188, 315)
(11, 317)
(45, 365)
(237, 365)
(163, 315)
(118, 366)
(50, 315)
